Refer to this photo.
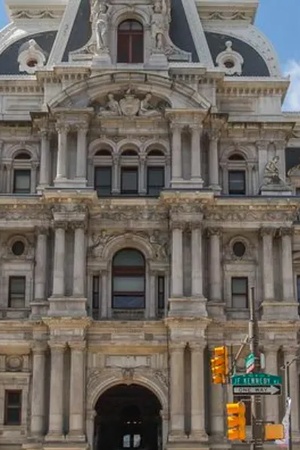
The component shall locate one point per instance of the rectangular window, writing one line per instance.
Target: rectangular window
(237, 182)
(239, 292)
(161, 292)
(102, 181)
(16, 294)
(13, 408)
(155, 180)
(129, 180)
(95, 299)
(22, 181)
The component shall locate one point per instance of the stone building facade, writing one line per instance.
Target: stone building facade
(148, 180)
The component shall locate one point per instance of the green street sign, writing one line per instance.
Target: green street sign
(255, 379)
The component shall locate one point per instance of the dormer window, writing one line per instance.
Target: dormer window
(130, 42)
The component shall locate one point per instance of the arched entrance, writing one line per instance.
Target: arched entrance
(128, 417)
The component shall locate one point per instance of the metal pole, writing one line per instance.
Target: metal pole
(256, 406)
(288, 395)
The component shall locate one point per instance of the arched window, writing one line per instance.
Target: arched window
(155, 172)
(130, 42)
(236, 175)
(22, 173)
(128, 280)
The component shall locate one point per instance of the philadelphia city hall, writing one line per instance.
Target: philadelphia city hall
(149, 181)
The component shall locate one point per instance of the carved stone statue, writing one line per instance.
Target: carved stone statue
(112, 107)
(130, 105)
(160, 24)
(146, 109)
(271, 173)
(99, 21)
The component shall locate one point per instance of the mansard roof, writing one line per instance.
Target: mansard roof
(204, 43)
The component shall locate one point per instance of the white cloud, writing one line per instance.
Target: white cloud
(292, 101)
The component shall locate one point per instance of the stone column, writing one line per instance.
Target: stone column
(104, 294)
(9, 184)
(56, 391)
(37, 426)
(288, 293)
(262, 147)
(176, 391)
(176, 151)
(115, 175)
(152, 295)
(77, 390)
(45, 158)
(267, 266)
(197, 269)
(142, 164)
(165, 427)
(40, 265)
(177, 263)
(196, 130)
(197, 393)
(168, 171)
(215, 277)
(81, 156)
(33, 178)
(216, 413)
(59, 261)
(290, 353)
(79, 267)
(271, 401)
(61, 170)
(213, 161)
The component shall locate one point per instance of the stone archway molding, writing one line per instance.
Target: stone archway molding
(83, 93)
(99, 382)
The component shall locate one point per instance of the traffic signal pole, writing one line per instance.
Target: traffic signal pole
(256, 400)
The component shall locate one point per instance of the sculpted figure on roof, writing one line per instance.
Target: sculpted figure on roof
(99, 21)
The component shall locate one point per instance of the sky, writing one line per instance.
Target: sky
(280, 21)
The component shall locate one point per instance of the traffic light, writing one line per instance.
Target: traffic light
(236, 421)
(219, 365)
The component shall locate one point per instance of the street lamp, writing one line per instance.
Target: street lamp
(286, 368)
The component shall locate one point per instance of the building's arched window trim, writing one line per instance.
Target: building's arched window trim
(156, 172)
(103, 172)
(128, 279)
(130, 42)
(22, 173)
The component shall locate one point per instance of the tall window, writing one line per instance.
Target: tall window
(129, 180)
(128, 280)
(239, 292)
(237, 182)
(161, 292)
(95, 299)
(298, 292)
(22, 181)
(103, 180)
(130, 42)
(16, 294)
(155, 180)
(13, 408)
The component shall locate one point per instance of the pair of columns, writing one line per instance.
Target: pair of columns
(215, 274)
(196, 170)
(177, 392)
(62, 151)
(57, 379)
(79, 260)
(177, 260)
(286, 264)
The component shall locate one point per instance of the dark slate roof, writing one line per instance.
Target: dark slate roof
(9, 58)
(254, 65)
(292, 157)
(81, 31)
(180, 32)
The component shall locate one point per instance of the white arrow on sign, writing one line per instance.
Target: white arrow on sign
(258, 390)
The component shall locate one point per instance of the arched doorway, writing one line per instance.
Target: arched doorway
(128, 417)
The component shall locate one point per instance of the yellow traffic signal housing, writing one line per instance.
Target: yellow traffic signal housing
(219, 365)
(236, 421)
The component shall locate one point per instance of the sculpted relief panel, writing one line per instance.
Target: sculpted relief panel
(130, 105)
